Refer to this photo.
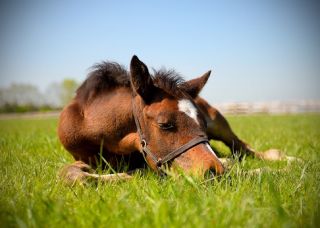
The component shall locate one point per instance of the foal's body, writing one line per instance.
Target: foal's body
(99, 126)
(82, 134)
(100, 120)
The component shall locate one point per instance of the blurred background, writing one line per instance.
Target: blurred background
(260, 52)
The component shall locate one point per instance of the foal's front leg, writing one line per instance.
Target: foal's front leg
(219, 129)
(81, 173)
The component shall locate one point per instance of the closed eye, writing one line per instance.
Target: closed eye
(166, 126)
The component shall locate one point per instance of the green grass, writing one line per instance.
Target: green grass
(31, 195)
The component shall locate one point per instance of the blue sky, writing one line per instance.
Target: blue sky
(257, 50)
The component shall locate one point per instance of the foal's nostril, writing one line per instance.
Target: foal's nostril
(210, 173)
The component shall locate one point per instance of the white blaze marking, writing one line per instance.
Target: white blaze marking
(210, 149)
(188, 108)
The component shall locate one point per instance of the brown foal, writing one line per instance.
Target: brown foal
(140, 118)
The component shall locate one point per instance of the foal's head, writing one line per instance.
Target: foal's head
(169, 117)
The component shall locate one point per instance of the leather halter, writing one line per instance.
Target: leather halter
(159, 161)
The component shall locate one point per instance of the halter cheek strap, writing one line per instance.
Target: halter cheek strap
(159, 161)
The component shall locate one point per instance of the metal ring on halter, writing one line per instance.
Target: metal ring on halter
(143, 143)
(159, 162)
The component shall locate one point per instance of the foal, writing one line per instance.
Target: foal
(142, 118)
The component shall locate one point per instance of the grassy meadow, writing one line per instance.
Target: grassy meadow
(31, 195)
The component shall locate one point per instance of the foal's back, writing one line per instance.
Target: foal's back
(108, 114)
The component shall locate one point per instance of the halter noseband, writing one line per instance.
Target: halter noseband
(159, 161)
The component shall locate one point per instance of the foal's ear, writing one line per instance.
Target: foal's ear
(194, 86)
(141, 80)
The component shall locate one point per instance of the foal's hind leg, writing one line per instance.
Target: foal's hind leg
(219, 129)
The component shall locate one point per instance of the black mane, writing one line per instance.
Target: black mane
(169, 81)
(109, 75)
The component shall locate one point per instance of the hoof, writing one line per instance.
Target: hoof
(277, 155)
(78, 172)
(273, 155)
